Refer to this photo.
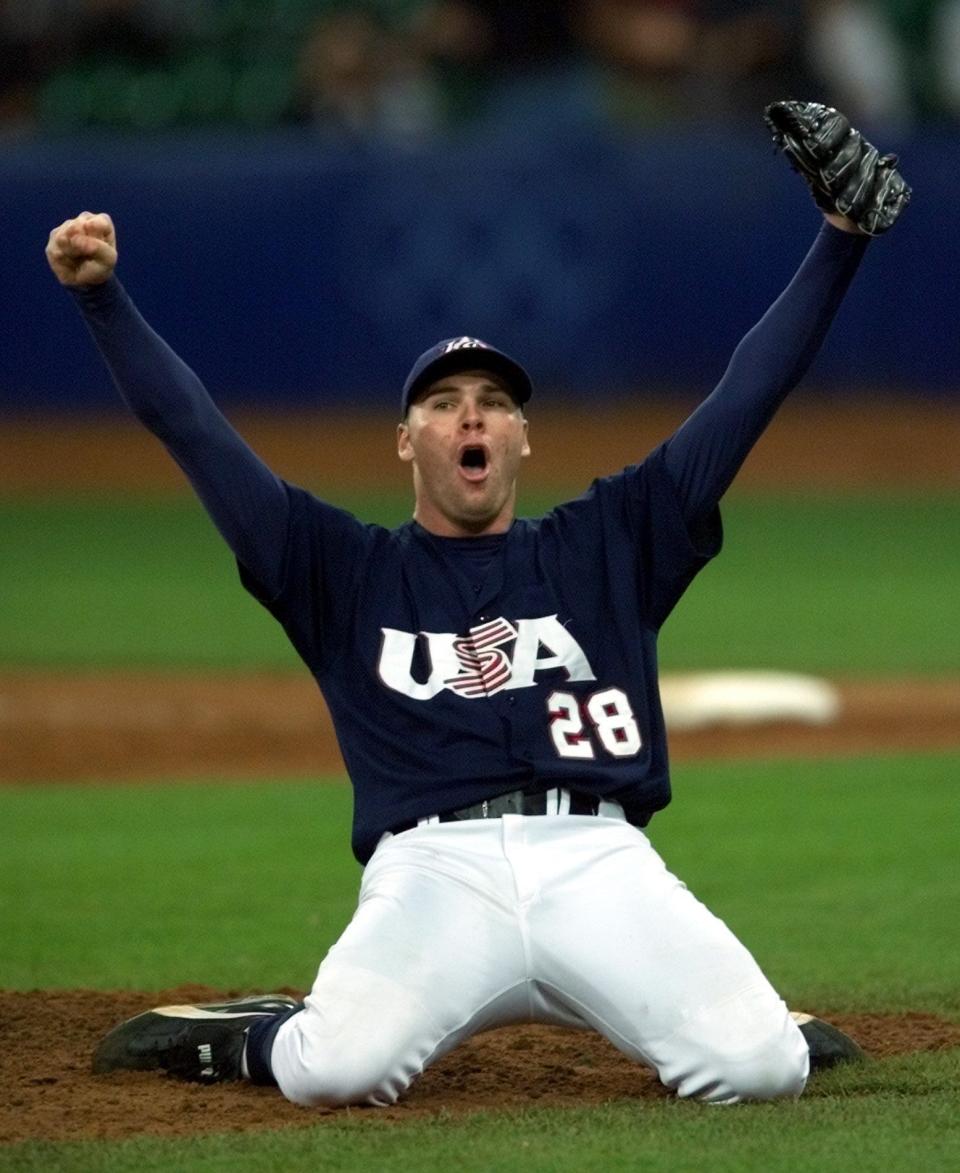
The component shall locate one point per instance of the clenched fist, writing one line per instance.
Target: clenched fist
(83, 251)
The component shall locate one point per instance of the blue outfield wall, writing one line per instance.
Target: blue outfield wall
(288, 273)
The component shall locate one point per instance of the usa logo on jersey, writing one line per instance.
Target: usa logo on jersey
(492, 656)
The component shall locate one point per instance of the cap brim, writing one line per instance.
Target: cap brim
(455, 361)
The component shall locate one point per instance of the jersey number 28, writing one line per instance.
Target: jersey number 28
(607, 715)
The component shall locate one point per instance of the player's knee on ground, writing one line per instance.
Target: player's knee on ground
(336, 1070)
(728, 1079)
(725, 1061)
(338, 1078)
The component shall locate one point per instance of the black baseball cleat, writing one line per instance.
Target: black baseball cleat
(202, 1044)
(828, 1045)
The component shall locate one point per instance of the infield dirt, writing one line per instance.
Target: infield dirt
(50, 1093)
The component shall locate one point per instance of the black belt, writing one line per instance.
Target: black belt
(515, 802)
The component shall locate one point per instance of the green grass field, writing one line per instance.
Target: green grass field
(841, 876)
(791, 854)
(853, 583)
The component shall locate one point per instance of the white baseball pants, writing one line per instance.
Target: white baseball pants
(570, 920)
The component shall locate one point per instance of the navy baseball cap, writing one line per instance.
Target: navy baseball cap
(464, 354)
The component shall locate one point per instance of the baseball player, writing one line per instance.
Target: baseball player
(493, 682)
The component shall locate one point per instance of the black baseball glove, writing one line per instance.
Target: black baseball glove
(845, 173)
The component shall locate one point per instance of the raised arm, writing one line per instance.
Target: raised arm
(247, 502)
(861, 195)
(706, 452)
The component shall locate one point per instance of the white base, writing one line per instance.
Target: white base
(698, 700)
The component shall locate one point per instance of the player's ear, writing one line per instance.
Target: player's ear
(404, 447)
(525, 450)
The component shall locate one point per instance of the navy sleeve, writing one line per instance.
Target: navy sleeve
(325, 556)
(706, 451)
(247, 502)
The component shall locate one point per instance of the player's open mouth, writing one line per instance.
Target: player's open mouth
(473, 463)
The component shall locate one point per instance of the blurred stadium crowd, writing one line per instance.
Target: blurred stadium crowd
(406, 70)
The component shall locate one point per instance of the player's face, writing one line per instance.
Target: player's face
(465, 438)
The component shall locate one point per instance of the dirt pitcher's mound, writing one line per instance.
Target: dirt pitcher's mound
(51, 1094)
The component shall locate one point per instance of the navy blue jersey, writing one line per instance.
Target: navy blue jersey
(449, 682)
(456, 669)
